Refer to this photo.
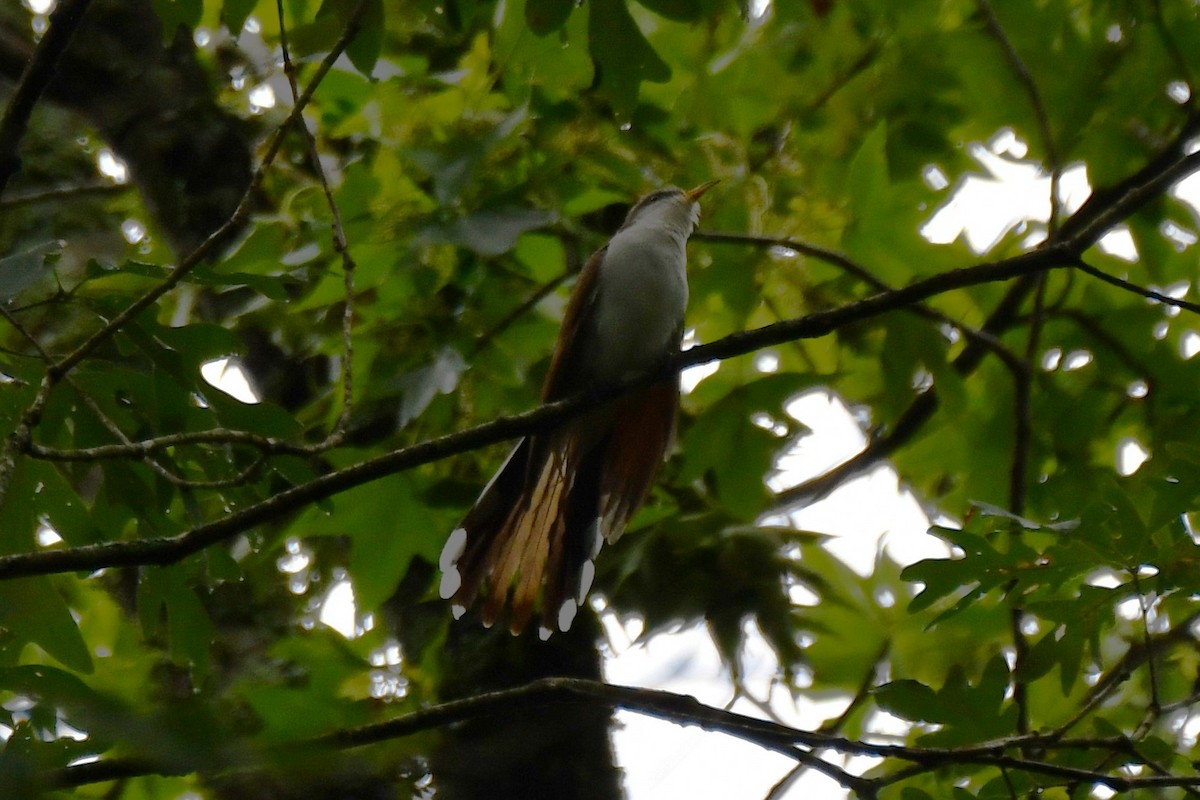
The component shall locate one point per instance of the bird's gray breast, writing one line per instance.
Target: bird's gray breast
(641, 298)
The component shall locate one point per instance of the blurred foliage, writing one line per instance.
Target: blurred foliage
(478, 152)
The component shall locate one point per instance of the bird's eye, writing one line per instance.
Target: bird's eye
(661, 194)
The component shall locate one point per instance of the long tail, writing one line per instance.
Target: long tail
(517, 536)
(533, 535)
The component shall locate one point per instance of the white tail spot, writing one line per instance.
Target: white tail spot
(597, 539)
(453, 549)
(566, 615)
(451, 581)
(587, 574)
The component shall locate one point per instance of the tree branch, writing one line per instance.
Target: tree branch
(682, 710)
(1102, 210)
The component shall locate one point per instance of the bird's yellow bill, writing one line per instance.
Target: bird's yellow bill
(694, 194)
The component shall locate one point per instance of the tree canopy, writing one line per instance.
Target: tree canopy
(372, 212)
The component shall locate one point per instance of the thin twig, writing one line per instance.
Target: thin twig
(57, 194)
(138, 449)
(1025, 77)
(1122, 670)
(338, 434)
(109, 424)
(542, 292)
(1155, 706)
(1018, 486)
(1133, 288)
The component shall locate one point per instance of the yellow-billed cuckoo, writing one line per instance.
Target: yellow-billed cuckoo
(533, 534)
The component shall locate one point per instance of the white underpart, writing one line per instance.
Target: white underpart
(641, 291)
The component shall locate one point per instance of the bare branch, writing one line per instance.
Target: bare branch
(682, 710)
(68, 191)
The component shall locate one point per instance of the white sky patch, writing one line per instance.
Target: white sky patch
(688, 762)
(133, 231)
(261, 97)
(46, 536)
(40, 6)
(758, 9)
(1076, 359)
(338, 608)
(690, 378)
(111, 166)
(1007, 196)
(1187, 191)
(228, 376)
(1189, 344)
(1130, 456)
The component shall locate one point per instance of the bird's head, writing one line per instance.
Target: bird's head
(669, 207)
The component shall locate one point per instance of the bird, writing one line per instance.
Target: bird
(533, 535)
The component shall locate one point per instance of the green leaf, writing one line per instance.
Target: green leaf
(20, 270)
(419, 387)
(166, 591)
(235, 12)
(320, 35)
(546, 16)
(363, 51)
(32, 609)
(911, 700)
(680, 10)
(623, 56)
(557, 65)
(728, 443)
(175, 13)
(488, 233)
(388, 523)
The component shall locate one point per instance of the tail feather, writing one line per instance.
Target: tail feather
(642, 437)
(537, 529)
(533, 535)
(573, 545)
(467, 557)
